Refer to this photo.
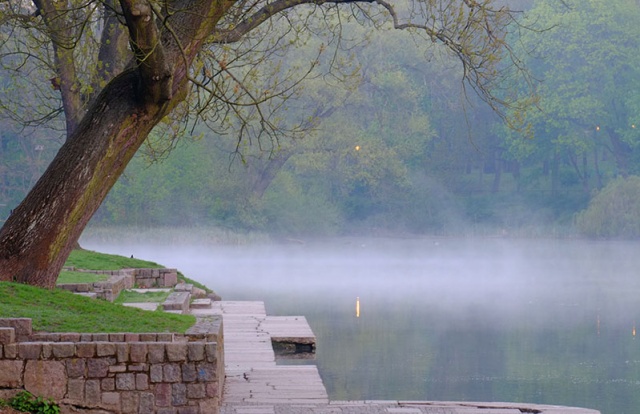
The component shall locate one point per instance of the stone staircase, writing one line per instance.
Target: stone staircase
(180, 300)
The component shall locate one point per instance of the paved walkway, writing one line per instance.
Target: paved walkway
(256, 385)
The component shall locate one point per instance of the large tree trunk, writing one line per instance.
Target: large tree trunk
(37, 238)
(41, 232)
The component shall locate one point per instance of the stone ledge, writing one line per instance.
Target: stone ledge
(177, 301)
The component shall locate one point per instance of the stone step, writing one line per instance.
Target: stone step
(177, 301)
(183, 287)
(201, 303)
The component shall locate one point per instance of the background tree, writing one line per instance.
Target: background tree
(586, 56)
(207, 51)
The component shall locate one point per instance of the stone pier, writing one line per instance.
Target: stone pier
(255, 384)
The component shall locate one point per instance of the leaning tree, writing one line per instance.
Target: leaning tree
(119, 69)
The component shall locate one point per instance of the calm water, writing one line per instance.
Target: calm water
(541, 321)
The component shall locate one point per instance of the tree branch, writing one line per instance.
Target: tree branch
(154, 69)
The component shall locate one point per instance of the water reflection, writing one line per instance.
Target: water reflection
(487, 320)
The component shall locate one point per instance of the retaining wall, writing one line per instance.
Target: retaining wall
(121, 372)
(122, 279)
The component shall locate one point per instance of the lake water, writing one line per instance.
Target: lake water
(538, 321)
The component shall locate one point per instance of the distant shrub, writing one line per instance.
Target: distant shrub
(614, 212)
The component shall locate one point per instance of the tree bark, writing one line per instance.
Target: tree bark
(37, 238)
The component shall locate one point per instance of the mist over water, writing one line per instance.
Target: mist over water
(541, 321)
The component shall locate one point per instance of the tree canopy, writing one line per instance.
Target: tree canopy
(117, 69)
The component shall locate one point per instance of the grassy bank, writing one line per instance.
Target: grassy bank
(61, 311)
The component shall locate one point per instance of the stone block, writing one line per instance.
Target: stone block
(92, 392)
(162, 394)
(22, 326)
(111, 401)
(7, 336)
(195, 351)
(148, 337)
(132, 337)
(76, 367)
(64, 349)
(130, 402)
(183, 287)
(211, 350)
(137, 367)
(108, 384)
(176, 351)
(11, 374)
(116, 337)
(137, 352)
(165, 337)
(206, 371)
(142, 382)
(46, 379)
(70, 337)
(196, 390)
(122, 352)
(155, 373)
(189, 373)
(209, 405)
(75, 390)
(47, 350)
(170, 279)
(105, 349)
(178, 394)
(37, 337)
(30, 350)
(167, 410)
(86, 337)
(145, 283)
(213, 391)
(177, 301)
(147, 402)
(101, 337)
(189, 410)
(86, 349)
(114, 369)
(98, 367)
(156, 352)
(10, 351)
(125, 381)
(171, 373)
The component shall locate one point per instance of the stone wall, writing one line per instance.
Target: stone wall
(117, 372)
(122, 279)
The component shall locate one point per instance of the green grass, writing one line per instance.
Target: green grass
(89, 260)
(129, 296)
(61, 311)
(67, 276)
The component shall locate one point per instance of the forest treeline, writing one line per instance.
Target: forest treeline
(399, 145)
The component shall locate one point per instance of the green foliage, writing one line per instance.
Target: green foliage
(614, 212)
(586, 55)
(62, 311)
(28, 403)
(89, 260)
